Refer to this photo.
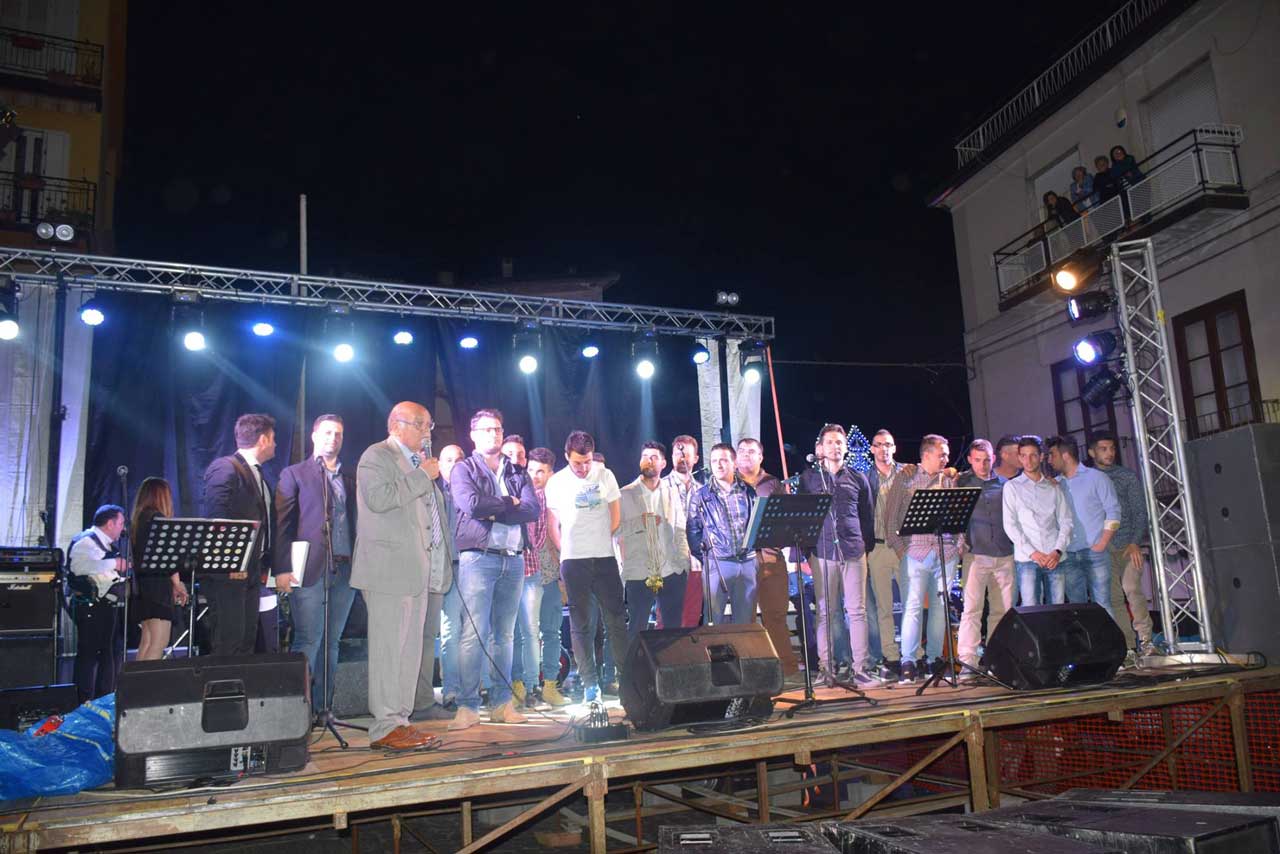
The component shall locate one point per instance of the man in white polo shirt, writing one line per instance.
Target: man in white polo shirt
(1037, 518)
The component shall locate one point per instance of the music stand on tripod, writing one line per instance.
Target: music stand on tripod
(222, 547)
(782, 521)
(937, 512)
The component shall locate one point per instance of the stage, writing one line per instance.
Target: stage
(1215, 728)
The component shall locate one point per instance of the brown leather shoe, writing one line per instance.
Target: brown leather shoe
(404, 738)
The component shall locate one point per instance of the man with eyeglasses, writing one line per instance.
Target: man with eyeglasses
(493, 499)
(883, 565)
(402, 565)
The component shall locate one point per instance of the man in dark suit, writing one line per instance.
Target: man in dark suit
(235, 488)
(300, 515)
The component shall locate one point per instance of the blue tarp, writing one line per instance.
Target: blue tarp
(77, 755)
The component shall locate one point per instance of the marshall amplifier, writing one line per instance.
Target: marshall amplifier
(209, 719)
(28, 600)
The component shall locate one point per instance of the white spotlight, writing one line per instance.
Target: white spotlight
(344, 352)
(404, 338)
(193, 341)
(262, 329)
(528, 364)
(645, 369)
(8, 329)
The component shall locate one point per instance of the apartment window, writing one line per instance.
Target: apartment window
(1076, 418)
(1216, 365)
(1181, 105)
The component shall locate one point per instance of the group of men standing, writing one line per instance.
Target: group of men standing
(483, 549)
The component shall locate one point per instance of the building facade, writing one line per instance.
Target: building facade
(1189, 89)
(62, 71)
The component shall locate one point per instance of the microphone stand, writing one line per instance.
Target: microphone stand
(325, 716)
(125, 538)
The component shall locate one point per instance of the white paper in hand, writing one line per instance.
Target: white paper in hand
(298, 557)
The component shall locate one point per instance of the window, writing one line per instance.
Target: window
(1056, 177)
(1216, 365)
(1076, 418)
(1181, 105)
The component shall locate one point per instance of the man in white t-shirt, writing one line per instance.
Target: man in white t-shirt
(582, 516)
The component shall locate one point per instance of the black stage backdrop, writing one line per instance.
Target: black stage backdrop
(164, 411)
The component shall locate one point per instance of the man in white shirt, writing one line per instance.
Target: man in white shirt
(680, 486)
(646, 546)
(97, 568)
(1037, 518)
(582, 516)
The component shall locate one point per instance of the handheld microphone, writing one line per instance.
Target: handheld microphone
(122, 471)
(426, 446)
(811, 459)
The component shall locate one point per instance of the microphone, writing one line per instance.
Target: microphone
(811, 459)
(122, 471)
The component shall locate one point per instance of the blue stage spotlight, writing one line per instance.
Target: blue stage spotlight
(751, 361)
(9, 313)
(700, 354)
(1094, 348)
(527, 344)
(188, 320)
(590, 351)
(528, 364)
(344, 352)
(403, 337)
(644, 354)
(194, 341)
(91, 313)
(263, 329)
(468, 341)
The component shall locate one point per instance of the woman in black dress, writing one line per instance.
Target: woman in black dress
(157, 594)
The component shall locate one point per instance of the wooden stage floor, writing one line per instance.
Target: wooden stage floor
(544, 757)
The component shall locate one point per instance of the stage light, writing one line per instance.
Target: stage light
(193, 341)
(528, 364)
(91, 313)
(344, 352)
(1088, 306)
(726, 298)
(468, 342)
(404, 338)
(1066, 280)
(751, 361)
(1070, 277)
(1101, 387)
(527, 344)
(65, 233)
(9, 313)
(700, 354)
(1094, 348)
(62, 232)
(644, 354)
(44, 231)
(590, 351)
(340, 309)
(263, 329)
(188, 319)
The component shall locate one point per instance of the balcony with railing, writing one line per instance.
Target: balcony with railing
(27, 200)
(1185, 187)
(1218, 420)
(50, 64)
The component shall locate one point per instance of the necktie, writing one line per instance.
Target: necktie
(431, 503)
(266, 504)
(416, 460)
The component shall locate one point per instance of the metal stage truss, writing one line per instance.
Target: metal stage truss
(92, 272)
(1175, 548)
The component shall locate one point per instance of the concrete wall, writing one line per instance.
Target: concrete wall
(1010, 352)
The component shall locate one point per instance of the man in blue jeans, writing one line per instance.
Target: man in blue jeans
(538, 624)
(493, 500)
(1037, 517)
(1095, 518)
(927, 571)
(717, 526)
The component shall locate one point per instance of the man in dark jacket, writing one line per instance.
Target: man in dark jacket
(235, 488)
(989, 565)
(493, 499)
(719, 514)
(839, 563)
(301, 515)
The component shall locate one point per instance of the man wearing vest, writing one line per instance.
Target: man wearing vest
(97, 569)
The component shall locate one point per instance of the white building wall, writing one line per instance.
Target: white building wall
(1010, 353)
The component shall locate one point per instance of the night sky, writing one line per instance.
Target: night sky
(692, 148)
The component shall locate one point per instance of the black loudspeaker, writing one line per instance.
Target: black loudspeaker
(744, 839)
(211, 719)
(27, 660)
(1235, 481)
(1050, 646)
(950, 834)
(679, 676)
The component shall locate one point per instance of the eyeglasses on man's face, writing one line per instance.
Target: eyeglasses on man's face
(418, 425)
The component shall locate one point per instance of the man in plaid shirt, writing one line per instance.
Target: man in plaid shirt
(539, 618)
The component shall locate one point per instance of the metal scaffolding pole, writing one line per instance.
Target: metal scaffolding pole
(1161, 446)
(91, 272)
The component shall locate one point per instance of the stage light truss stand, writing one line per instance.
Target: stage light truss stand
(1161, 444)
(91, 272)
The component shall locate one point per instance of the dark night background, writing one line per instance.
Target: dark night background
(786, 155)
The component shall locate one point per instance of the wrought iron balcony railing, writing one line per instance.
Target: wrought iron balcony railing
(1200, 163)
(1086, 53)
(29, 199)
(61, 62)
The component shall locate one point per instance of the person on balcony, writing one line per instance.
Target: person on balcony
(1082, 195)
(1058, 211)
(1124, 168)
(1104, 186)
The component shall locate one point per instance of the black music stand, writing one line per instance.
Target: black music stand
(938, 512)
(782, 521)
(198, 546)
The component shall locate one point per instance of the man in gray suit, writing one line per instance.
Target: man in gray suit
(402, 565)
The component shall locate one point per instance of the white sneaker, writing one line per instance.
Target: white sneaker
(507, 713)
(465, 718)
